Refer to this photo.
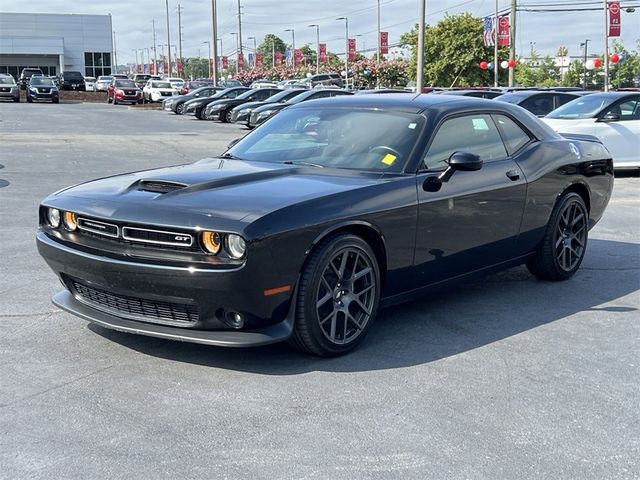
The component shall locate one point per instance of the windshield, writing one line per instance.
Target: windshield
(583, 107)
(77, 75)
(246, 94)
(284, 96)
(514, 98)
(160, 85)
(361, 139)
(105, 79)
(126, 84)
(7, 81)
(47, 82)
(232, 83)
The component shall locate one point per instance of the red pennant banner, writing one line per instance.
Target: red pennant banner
(504, 32)
(240, 60)
(225, 63)
(614, 19)
(152, 69)
(352, 49)
(297, 56)
(323, 53)
(384, 42)
(278, 58)
(259, 59)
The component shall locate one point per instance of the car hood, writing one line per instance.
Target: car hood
(212, 193)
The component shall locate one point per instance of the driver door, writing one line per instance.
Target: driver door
(473, 221)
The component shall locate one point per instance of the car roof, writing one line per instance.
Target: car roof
(530, 93)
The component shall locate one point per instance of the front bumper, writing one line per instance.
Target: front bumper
(154, 286)
(10, 95)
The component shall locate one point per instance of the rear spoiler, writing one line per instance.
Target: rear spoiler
(581, 137)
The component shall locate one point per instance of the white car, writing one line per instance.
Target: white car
(90, 84)
(263, 83)
(102, 83)
(158, 90)
(176, 82)
(612, 117)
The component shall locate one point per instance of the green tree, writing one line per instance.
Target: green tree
(271, 43)
(627, 72)
(308, 55)
(537, 72)
(453, 51)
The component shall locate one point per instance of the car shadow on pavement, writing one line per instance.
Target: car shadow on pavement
(443, 324)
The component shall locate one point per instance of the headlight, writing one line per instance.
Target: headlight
(215, 108)
(266, 113)
(53, 217)
(235, 245)
(195, 104)
(70, 221)
(211, 241)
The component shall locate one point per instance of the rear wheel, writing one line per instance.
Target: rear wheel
(565, 240)
(338, 296)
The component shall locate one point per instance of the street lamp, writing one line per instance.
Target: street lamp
(532, 44)
(293, 44)
(346, 52)
(317, 46)
(208, 42)
(585, 46)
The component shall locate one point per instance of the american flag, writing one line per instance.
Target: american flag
(489, 33)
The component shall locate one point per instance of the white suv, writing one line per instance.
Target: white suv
(158, 90)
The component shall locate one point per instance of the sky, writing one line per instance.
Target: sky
(132, 22)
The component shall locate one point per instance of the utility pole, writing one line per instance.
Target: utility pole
(214, 41)
(293, 45)
(379, 45)
(606, 46)
(495, 47)
(209, 44)
(273, 54)
(168, 38)
(420, 75)
(180, 8)
(512, 40)
(137, 63)
(155, 49)
(346, 50)
(584, 45)
(239, 33)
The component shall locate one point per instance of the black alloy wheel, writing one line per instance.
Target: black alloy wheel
(226, 116)
(180, 108)
(338, 296)
(562, 250)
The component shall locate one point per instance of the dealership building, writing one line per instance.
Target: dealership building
(56, 43)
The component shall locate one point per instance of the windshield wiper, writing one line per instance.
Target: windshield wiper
(308, 164)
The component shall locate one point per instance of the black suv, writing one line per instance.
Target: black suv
(72, 81)
(26, 74)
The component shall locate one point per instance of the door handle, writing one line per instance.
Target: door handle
(513, 175)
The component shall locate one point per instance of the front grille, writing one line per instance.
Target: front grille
(136, 308)
(165, 94)
(159, 237)
(6, 89)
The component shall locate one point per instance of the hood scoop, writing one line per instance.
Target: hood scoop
(159, 186)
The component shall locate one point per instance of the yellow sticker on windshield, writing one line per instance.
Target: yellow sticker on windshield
(389, 159)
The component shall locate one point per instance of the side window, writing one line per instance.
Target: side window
(629, 110)
(470, 133)
(514, 137)
(539, 105)
(562, 99)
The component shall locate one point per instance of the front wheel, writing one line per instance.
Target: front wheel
(565, 240)
(180, 109)
(338, 296)
(225, 116)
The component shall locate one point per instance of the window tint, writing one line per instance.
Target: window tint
(629, 110)
(514, 137)
(539, 104)
(562, 99)
(471, 133)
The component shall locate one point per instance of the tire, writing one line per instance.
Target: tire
(16, 100)
(56, 100)
(322, 326)
(108, 99)
(115, 101)
(559, 255)
(139, 102)
(29, 99)
(180, 109)
(225, 116)
(200, 113)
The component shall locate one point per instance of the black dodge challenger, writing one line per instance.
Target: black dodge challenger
(334, 208)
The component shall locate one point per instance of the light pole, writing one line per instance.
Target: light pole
(255, 49)
(214, 38)
(168, 36)
(420, 73)
(148, 59)
(209, 44)
(317, 46)
(379, 46)
(293, 45)
(585, 46)
(137, 63)
(346, 52)
(532, 45)
(363, 45)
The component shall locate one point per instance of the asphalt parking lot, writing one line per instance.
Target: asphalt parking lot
(508, 377)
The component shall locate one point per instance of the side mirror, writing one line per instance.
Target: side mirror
(610, 117)
(458, 161)
(233, 142)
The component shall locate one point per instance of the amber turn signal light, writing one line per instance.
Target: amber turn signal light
(70, 221)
